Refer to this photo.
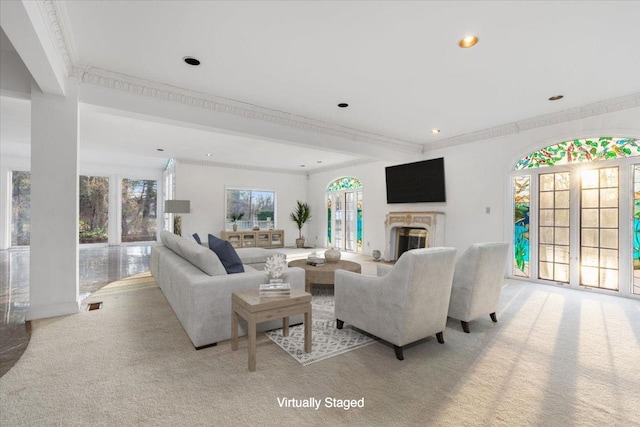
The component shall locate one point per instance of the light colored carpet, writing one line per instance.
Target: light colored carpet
(327, 340)
(557, 357)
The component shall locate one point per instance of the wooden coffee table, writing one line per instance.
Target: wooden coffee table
(254, 310)
(323, 275)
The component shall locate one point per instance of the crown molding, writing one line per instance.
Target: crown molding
(125, 83)
(577, 113)
(55, 16)
(349, 164)
(237, 166)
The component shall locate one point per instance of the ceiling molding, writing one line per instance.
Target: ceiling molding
(55, 16)
(241, 167)
(134, 85)
(590, 110)
(349, 164)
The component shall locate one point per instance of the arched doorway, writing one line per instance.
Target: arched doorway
(576, 215)
(344, 214)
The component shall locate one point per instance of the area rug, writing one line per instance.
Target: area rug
(327, 340)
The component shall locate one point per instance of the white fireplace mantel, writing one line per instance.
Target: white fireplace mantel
(433, 222)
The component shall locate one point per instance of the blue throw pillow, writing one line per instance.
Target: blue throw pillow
(197, 238)
(227, 254)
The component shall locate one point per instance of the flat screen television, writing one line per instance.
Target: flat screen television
(416, 182)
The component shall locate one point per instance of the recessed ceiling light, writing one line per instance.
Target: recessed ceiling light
(434, 130)
(191, 60)
(208, 154)
(556, 97)
(319, 161)
(343, 105)
(468, 41)
(160, 149)
(303, 166)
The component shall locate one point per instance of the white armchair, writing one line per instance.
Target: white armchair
(477, 282)
(408, 303)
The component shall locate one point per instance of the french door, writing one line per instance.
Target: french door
(591, 197)
(346, 220)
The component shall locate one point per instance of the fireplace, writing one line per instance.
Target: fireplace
(410, 230)
(408, 238)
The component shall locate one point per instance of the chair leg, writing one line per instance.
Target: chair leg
(493, 316)
(339, 323)
(465, 326)
(399, 354)
(440, 337)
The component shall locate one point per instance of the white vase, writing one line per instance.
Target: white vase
(332, 255)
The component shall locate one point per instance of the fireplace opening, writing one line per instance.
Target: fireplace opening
(408, 238)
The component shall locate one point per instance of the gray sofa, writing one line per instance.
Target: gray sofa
(198, 288)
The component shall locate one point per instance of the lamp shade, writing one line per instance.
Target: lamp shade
(177, 206)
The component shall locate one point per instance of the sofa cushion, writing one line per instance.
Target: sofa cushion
(256, 255)
(227, 254)
(201, 257)
(197, 238)
(171, 240)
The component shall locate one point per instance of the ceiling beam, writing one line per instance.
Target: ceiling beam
(24, 25)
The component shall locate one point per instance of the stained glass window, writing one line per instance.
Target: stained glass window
(521, 224)
(346, 183)
(581, 150)
(636, 229)
(344, 214)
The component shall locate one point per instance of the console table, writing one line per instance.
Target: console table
(254, 238)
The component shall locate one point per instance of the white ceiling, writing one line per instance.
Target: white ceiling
(396, 63)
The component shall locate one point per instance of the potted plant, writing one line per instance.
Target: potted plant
(300, 215)
(236, 217)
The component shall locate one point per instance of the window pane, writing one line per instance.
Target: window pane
(546, 217)
(547, 182)
(562, 181)
(562, 199)
(561, 273)
(251, 208)
(590, 217)
(590, 237)
(546, 200)
(20, 208)
(94, 209)
(546, 234)
(609, 258)
(609, 177)
(590, 179)
(590, 257)
(609, 218)
(609, 238)
(562, 236)
(590, 199)
(562, 218)
(139, 201)
(609, 198)
(562, 254)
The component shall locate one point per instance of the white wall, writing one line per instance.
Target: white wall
(205, 186)
(476, 178)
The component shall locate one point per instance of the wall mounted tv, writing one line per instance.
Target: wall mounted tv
(416, 182)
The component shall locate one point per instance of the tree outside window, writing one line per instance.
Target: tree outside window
(139, 207)
(94, 209)
(257, 207)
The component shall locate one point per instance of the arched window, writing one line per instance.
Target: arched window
(576, 217)
(344, 214)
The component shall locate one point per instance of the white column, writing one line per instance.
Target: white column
(53, 289)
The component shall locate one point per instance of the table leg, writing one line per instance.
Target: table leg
(307, 330)
(234, 328)
(285, 326)
(307, 285)
(252, 343)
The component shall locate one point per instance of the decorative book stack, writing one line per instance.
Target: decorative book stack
(275, 290)
(316, 261)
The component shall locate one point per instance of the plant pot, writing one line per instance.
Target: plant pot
(299, 243)
(235, 227)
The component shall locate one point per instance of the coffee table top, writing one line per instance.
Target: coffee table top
(251, 300)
